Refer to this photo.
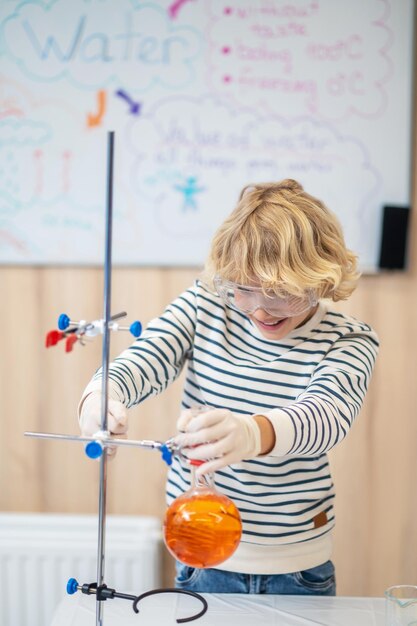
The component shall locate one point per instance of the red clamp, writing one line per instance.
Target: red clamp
(54, 336)
(71, 339)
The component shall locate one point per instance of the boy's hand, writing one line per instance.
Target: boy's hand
(90, 415)
(219, 435)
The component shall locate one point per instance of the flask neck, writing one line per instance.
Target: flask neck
(205, 481)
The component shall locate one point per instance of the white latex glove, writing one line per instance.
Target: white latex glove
(218, 436)
(90, 415)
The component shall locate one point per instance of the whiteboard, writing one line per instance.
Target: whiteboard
(204, 97)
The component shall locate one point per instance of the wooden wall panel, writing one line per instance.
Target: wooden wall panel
(374, 469)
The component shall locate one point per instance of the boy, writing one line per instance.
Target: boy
(284, 377)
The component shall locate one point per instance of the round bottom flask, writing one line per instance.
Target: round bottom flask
(202, 527)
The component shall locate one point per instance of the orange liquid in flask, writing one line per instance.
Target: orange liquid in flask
(202, 527)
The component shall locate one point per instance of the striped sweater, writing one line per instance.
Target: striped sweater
(310, 385)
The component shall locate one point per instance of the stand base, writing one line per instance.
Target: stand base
(104, 593)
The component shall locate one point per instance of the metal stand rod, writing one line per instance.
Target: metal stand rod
(105, 375)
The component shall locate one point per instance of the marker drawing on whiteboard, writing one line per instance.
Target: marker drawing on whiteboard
(95, 119)
(66, 157)
(134, 106)
(8, 238)
(38, 156)
(189, 189)
(12, 112)
(174, 8)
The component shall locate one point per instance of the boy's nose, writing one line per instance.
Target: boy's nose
(261, 315)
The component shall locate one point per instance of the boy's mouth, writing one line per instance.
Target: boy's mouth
(271, 325)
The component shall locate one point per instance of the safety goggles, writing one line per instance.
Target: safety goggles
(248, 299)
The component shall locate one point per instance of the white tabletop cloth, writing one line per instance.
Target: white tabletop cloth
(225, 610)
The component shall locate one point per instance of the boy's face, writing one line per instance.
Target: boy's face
(278, 327)
(274, 314)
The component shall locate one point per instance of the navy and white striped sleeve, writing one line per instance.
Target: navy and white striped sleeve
(156, 359)
(323, 414)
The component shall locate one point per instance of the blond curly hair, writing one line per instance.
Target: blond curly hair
(284, 240)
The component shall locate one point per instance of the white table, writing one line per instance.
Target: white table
(225, 610)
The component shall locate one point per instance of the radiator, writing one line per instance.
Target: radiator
(40, 552)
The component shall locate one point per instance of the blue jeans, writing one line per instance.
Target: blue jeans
(319, 581)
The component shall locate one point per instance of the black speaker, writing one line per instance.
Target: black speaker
(395, 221)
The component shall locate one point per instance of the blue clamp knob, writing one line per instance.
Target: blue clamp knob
(94, 449)
(72, 586)
(166, 454)
(63, 321)
(136, 329)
